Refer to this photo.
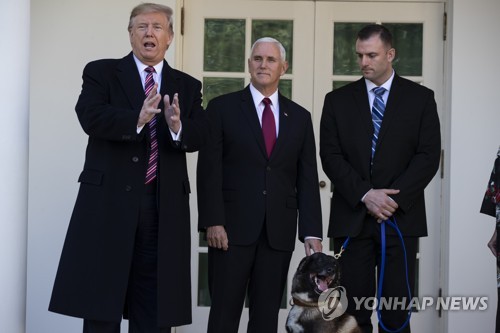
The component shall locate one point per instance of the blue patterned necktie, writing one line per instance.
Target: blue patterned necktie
(153, 153)
(378, 110)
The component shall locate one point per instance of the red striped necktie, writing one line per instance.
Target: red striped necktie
(153, 153)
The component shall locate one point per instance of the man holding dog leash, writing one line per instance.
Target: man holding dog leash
(255, 175)
(380, 146)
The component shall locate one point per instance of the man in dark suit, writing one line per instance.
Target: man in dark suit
(376, 177)
(255, 174)
(127, 250)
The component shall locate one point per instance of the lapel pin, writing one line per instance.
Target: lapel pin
(286, 114)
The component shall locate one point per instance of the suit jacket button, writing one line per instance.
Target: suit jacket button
(135, 159)
(268, 168)
(264, 192)
(128, 188)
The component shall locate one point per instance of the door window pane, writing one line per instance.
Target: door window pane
(216, 86)
(285, 88)
(282, 30)
(203, 293)
(344, 48)
(407, 39)
(338, 84)
(224, 45)
(202, 239)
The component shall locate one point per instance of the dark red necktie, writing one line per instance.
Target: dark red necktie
(268, 126)
(153, 153)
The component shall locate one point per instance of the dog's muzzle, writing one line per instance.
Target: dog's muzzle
(322, 280)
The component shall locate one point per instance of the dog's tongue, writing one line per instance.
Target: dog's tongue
(322, 284)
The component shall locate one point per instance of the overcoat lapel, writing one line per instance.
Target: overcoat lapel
(168, 86)
(129, 78)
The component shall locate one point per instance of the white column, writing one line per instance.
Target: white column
(14, 116)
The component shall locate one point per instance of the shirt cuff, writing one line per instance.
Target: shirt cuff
(364, 196)
(176, 136)
(311, 237)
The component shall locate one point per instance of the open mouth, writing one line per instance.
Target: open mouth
(322, 282)
(149, 45)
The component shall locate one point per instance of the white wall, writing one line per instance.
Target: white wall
(65, 35)
(475, 136)
(14, 112)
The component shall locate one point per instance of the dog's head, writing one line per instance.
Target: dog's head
(315, 274)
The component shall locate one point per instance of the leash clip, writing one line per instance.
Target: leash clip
(338, 255)
(342, 248)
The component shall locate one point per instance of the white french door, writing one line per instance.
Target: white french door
(319, 40)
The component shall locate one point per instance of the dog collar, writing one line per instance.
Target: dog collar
(299, 302)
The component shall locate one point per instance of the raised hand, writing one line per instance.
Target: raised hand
(149, 107)
(172, 113)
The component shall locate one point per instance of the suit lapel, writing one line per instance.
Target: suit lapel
(284, 126)
(248, 109)
(390, 110)
(363, 106)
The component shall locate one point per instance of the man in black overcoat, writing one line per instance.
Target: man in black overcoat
(127, 249)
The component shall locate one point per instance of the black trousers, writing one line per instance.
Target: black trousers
(260, 268)
(141, 304)
(359, 264)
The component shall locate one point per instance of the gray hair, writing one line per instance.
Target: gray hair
(148, 7)
(271, 40)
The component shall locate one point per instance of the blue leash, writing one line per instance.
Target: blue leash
(382, 271)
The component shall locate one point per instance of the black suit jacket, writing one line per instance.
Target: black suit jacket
(240, 188)
(406, 157)
(92, 278)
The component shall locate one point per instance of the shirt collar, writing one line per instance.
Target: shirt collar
(258, 97)
(141, 67)
(387, 84)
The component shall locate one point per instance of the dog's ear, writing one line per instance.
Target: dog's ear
(302, 264)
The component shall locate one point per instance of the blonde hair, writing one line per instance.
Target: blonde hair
(148, 7)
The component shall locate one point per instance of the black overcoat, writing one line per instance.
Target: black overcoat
(93, 272)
